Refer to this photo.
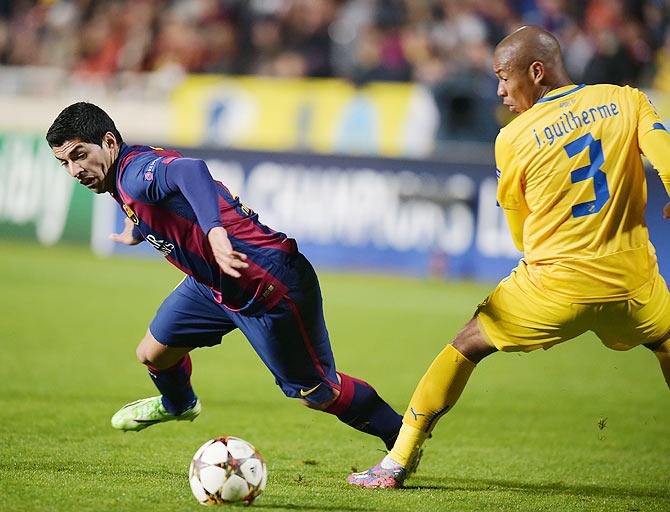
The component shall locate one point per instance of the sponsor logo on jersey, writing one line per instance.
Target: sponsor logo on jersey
(163, 246)
(131, 214)
(149, 172)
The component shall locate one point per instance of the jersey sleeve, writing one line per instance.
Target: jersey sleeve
(191, 177)
(655, 145)
(510, 189)
(653, 139)
(647, 119)
(155, 179)
(510, 179)
(145, 179)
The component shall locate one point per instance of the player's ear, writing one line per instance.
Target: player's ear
(109, 140)
(536, 72)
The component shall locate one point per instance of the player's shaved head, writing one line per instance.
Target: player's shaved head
(527, 45)
(529, 64)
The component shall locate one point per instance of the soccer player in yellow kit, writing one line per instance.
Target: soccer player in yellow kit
(572, 185)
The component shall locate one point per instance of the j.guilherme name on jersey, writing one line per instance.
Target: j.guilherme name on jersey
(569, 121)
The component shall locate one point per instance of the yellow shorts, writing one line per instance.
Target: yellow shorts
(517, 316)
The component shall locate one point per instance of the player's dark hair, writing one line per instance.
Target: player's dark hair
(81, 121)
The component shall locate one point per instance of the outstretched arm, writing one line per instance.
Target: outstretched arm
(191, 178)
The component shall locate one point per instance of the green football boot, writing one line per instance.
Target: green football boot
(141, 414)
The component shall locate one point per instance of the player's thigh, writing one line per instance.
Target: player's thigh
(644, 319)
(293, 342)
(189, 317)
(518, 316)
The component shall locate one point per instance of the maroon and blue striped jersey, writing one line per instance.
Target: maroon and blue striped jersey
(174, 202)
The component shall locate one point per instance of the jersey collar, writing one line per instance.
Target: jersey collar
(123, 151)
(560, 92)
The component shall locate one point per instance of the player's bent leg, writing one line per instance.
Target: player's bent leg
(151, 352)
(435, 395)
(294, 344)
(321, 406)
(471, 343)
(359, 406)
(170, 370)
(662, 352)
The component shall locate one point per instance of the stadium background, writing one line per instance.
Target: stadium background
(362, 128)
(365, 129)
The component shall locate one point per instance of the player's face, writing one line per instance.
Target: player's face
(89, 163)
(516, 87)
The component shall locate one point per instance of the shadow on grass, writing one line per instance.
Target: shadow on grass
(558, 488)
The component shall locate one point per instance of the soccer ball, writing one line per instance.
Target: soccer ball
(227, 470)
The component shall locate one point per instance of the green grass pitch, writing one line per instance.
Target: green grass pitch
(578, 427)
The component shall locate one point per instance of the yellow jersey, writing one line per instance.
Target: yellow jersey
(571, 165)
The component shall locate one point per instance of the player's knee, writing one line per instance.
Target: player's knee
(143, 355)
(323, 405)
(150, 352)
(470, 342)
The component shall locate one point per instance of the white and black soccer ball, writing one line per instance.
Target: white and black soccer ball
(227, 470)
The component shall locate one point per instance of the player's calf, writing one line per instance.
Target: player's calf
(359, 406)
(321, 406)
(170, 370)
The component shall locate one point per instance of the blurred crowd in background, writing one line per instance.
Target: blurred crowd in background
(445, 44)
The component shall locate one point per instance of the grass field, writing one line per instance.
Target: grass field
(575, 428)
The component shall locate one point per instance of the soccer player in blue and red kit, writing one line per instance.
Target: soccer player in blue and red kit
(240, 274)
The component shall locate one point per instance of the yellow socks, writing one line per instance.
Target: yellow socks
(436, 393)
(663, 356)
(406, 447)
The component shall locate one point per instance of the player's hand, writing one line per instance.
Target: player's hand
(666, 211)
(126, 236)
(228, 259)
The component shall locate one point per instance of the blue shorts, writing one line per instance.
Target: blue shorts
(291, 338)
